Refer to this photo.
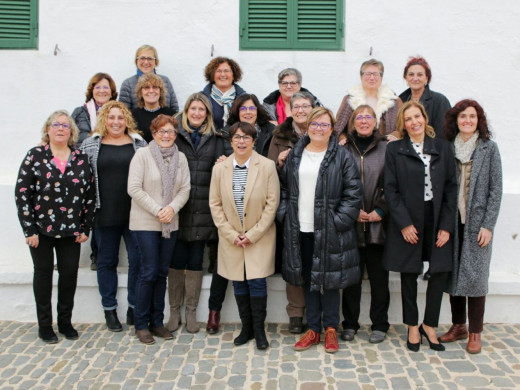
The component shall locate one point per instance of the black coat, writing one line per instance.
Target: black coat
(195, 221)
(337, 202)
(404, 193)
(435, 104)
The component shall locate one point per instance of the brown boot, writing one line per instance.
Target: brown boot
(474, 343)
(213, 322)
(193, 285)
(175, 297)
(456, 332)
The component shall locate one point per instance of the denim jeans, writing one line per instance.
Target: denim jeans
(108, 239)
(157, 253)
(252, 287)
(188, 255)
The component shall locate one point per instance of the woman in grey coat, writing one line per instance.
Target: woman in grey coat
(479, 196)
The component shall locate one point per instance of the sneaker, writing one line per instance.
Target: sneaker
(376, 336)
(46, 333)
(145, 336)
(162, 332)
(331, 340)
(68, 331)
(307, 340)
(348, 334)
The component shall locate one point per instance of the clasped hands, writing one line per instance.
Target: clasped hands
(242, 241)
(166, 214)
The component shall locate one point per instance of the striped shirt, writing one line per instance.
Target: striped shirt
(239, 186)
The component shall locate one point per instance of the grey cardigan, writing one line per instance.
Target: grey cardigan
(91, 148)
(127, 93)
(471, 262)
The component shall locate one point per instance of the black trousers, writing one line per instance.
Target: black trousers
(219, 284)
(476, 306)
(371, 257)
(67, 254)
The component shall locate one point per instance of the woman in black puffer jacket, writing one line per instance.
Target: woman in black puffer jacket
(320, 202)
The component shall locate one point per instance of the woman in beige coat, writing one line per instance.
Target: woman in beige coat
(244, 196)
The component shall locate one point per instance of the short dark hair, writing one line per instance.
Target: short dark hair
(211, 68)
(161, 120)
(262, 117)
(419, 61)
(451, 127)
(245, 127)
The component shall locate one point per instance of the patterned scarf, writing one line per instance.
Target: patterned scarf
(167, 160)
(464, 150)
(225, 99)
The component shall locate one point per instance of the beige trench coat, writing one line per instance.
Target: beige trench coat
(261, 200)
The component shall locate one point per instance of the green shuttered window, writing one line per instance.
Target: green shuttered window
(19, 24)
(291, 24)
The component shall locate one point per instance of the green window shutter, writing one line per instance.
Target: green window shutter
(291, 24)
(19, 24)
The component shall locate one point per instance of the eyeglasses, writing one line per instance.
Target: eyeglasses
(100, 87)
(163, 132)
(372, 74)
(246, 138)
(57, 125)
(250, 108)
(302, 107)
(223, 71)
(368, 118)
(285, 84)
(144, 59)
(316, 126)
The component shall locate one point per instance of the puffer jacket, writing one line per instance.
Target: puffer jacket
(371, 168)
(196, 223)
(82, 120)
(337, 202)
(127, 93)
(270, 101)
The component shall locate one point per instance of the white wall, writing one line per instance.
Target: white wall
(472, 46)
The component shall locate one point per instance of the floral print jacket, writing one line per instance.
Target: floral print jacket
(51, 203)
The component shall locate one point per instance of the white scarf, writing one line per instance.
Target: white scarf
(92, 112)
(225, 99)
(464, 149)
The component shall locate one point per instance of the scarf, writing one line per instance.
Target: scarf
(195, 137)
(464, 150)
(168, 174)
(280, 110)
(92, 109)
(224, 99)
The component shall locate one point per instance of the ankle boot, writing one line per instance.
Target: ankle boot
(213, 322)
(192, 286)
(244, 311)
(259, 312)
(112, 321)
(175, 297)
(474, 343)
(456, 332)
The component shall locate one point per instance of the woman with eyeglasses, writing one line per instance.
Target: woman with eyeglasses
(55, 197)
(101, 89)
(151, 99)
(320, 202)
(372, 92)
(222, 75)
(278, 103)
(159, 184)
(146, 60)
(244, 196)
(368, 148)
(201, 146)
(285, 136)
(247, 108)
(110, 150)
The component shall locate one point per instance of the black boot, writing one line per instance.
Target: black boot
(113, 323)
(244, 310)
(259, 312)
(130, 316)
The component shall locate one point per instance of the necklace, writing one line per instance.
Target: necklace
(152, 109)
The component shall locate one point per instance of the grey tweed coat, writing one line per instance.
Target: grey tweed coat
(471, 269)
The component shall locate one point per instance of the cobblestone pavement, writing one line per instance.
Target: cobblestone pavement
(105, 360)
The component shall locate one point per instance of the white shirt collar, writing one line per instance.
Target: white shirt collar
(245, 165)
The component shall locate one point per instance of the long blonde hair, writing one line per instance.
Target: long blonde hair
(101, 127)
(208, 127)
(399, 126)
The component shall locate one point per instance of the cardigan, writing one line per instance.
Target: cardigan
(51, 203)
(145, 188)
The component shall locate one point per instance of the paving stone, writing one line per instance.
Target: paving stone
(502, 383)
(347, 385)
(460, 366)
(236, 381)
(472, 381)
(400, 383)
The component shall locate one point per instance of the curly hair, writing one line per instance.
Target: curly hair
(101, 127)
(208, 126)
(96, 79)
(399, 126)
(150, 79)
(319, 111)
(147, 47)
(451, 127)
(351, 126)
(419, 61)
(262, 117)
(211, 68)
(162, 120)
(74, 131)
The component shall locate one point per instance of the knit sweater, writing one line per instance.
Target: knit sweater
(145, 188)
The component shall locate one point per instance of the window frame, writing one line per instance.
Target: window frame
(19, 24)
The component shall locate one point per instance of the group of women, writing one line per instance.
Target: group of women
(393, 182)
